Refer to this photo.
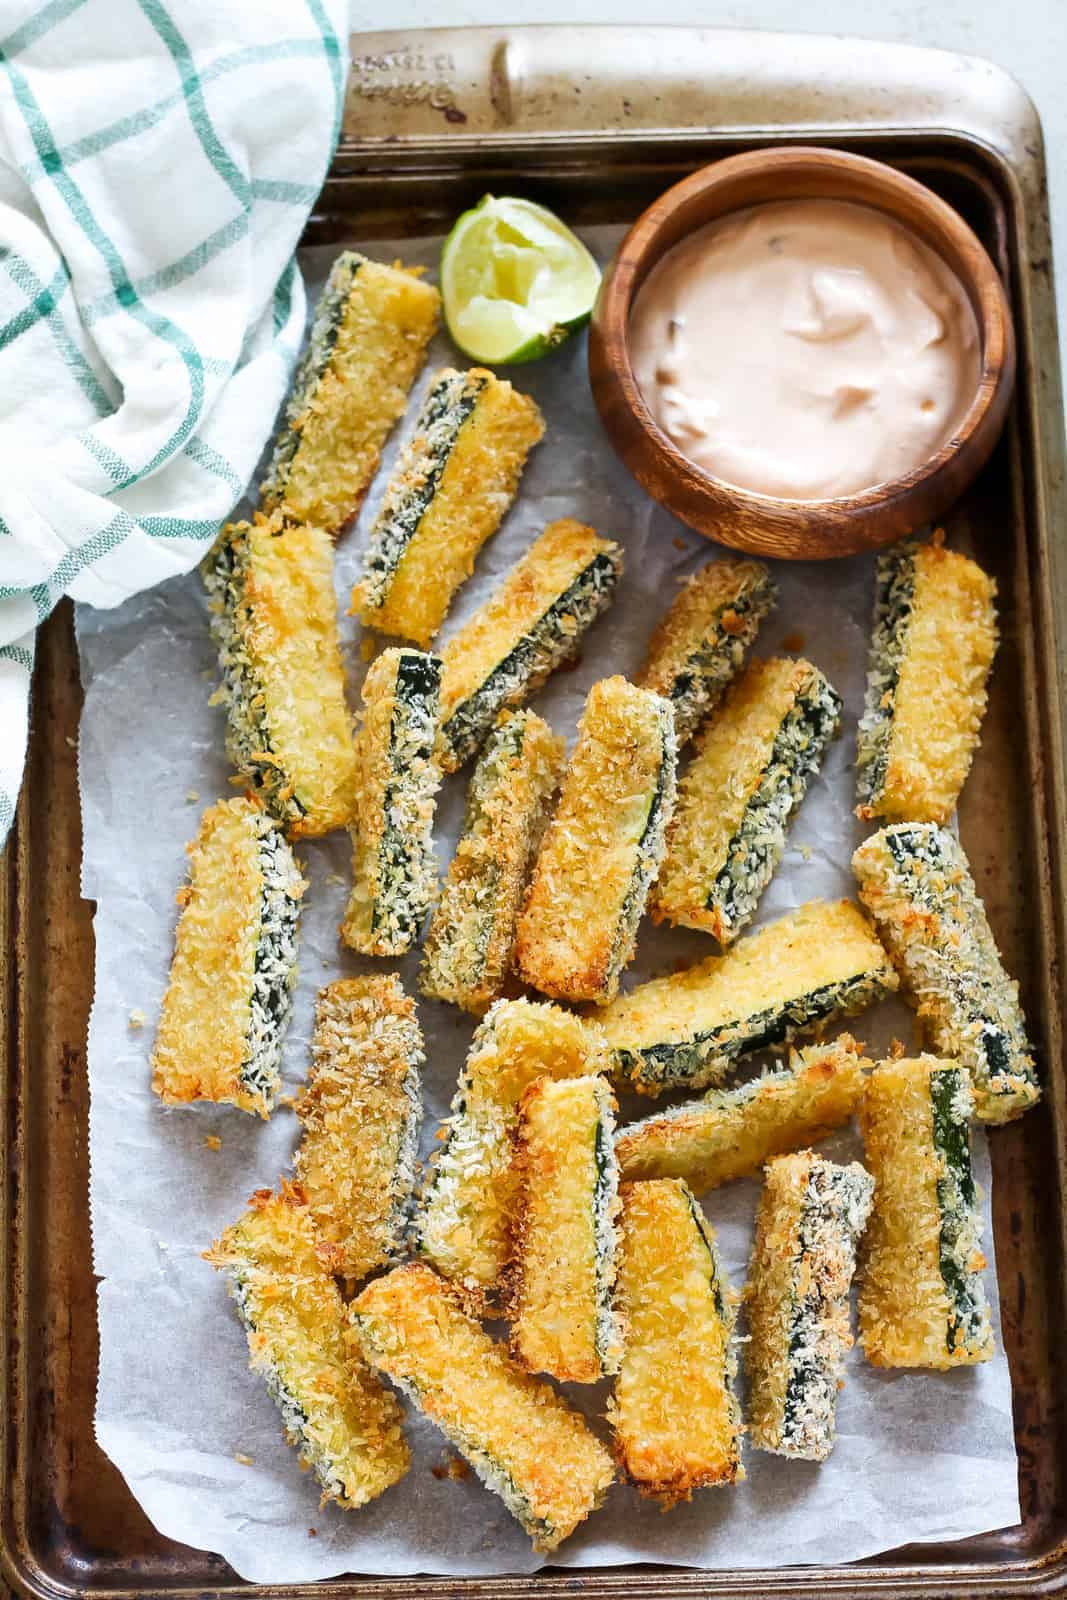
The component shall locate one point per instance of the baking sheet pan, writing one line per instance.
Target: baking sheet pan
(594, 122)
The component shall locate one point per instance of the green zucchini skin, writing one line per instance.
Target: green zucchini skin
(701, 643)
(621, 780)
(275, 965)
(469, 949)
(545, 647)
(759, 843)
(894, 594)
(916, 881)
(652, 847)
(699, 686)
(249, 743)
(295, 1419)
(325, 327)
(404, 895)
(834, 1216)
(950, 1100)
(449, 404)
(393, 866)
(705, 1058)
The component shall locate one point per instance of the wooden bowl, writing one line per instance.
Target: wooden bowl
(764, 524)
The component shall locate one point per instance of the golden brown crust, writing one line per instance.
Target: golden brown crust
(469, 947)
(521, 1438)
(811, 1215)
(939, 698)
(676, 1422)
(689, 1027)
(360, 1111)
(557, 1290)
(904, 1310)
(602, 847)
(393, 869)
(471, 495)
(463, 1228)
(203, 1041)
(732, 1132)
(530, 588)
(915, 880)
(717, 787)
(286, 627)
(345, 1425)
(389, 318)
(694, 611)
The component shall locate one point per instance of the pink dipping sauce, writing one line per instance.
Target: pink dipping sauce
(805, 349)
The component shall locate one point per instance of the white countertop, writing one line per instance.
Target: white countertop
(1026, 37)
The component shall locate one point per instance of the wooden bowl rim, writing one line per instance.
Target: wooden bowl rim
(625, 276)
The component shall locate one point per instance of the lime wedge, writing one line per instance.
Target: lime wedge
(515, 281)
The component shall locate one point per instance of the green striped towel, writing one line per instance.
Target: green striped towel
(158, 159)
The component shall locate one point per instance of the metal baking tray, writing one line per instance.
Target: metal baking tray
(595, 122)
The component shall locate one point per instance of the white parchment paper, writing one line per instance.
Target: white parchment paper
(919, 1456)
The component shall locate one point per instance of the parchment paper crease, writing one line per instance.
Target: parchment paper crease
(919, 1456)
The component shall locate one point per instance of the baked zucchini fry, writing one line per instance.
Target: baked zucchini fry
(701, 642)
(274, 620)
(677, 1424)
(448, 495)
(603, 846)
(527, 628)
(751, 771)
(360, 1113)
(368, 342)
(522, 1439)
(922, 1299)
(811, 1216)
(688, 1030)
(344, 1424)
(915, 881)
(470, 1197)
(471, 940)
(230, 993)
(393, 868)
(934, 638)
(732, 1132)
(561, 1277)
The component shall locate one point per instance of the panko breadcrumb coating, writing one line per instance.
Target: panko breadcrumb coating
(344, 1424)
(393, 869)
(701, 642)
(360, 1113)
(529, 626)
(448, 495)
(819, 962)
(932, 647)
(603, 847)
(228, 1001)
(730, 1133)
(368, 342)
(916, 882)
(471, 1194)
(471, 942)
(922, 1298)
(752, 768)
(811, 1216)
(564, 1241)
(522, 1439)
(274, 620)
(676, 1420)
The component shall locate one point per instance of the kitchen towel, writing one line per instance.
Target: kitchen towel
(157, 165)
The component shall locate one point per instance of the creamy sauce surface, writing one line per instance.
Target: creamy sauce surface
(805, 348)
